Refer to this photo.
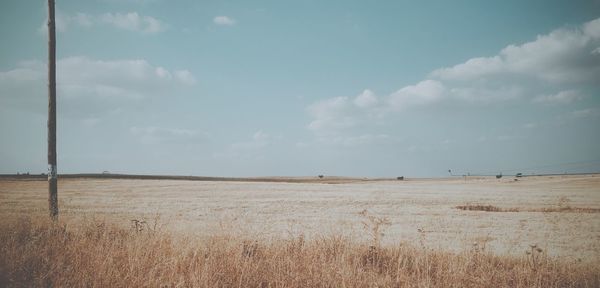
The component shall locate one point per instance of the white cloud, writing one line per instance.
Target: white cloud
(126, 74)
(335, 114)
(185, 76)
(486, 94)
(366, 99)
(132, 21)
(88, 85)
(471, 69)
(424, 92)
(163, 73)
(339, 113)
(592, 28)
(182, 76)
(562, 56)
(331, 114)
(224, 21)
(562, 97)
(556, 66)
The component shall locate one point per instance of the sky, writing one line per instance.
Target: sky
(302, 88)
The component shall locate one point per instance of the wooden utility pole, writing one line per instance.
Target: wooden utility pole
(52, 172)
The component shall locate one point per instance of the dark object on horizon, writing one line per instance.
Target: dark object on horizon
(519, 175)
(499, 176)
(321, 176)
(105, 172)
(400, 177)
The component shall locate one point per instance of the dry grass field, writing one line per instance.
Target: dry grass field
(478, 232)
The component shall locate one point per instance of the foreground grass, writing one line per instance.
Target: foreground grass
(38, 253)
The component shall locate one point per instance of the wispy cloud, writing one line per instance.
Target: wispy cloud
(103, 85)
(131, 21)
(348, 141)
(156, 135)
(224, 21)
(259, 140)
(562, 97)
(251, 148)
(332, 114)
(185, 77)
(584, 113)
(63, 21)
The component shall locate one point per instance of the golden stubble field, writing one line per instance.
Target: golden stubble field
(421, 212)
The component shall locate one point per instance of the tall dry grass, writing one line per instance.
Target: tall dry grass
(37, 253)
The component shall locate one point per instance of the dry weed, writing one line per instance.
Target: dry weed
(39, 253)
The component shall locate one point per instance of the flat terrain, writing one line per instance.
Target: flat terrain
(421, 211)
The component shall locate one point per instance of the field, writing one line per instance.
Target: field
(508, 221)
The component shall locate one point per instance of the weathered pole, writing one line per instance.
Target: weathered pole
(52, 171)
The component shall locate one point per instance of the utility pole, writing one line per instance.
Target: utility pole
(52, 172)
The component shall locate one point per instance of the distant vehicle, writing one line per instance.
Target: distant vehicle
(519, 175)
(400, 177)
(321, 176)
(499, 176)
(105, 172)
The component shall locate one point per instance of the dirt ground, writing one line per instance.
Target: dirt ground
(421, 211)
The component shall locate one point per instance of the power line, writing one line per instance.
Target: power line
(555, 166)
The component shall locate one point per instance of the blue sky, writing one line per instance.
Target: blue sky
(256, 88)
